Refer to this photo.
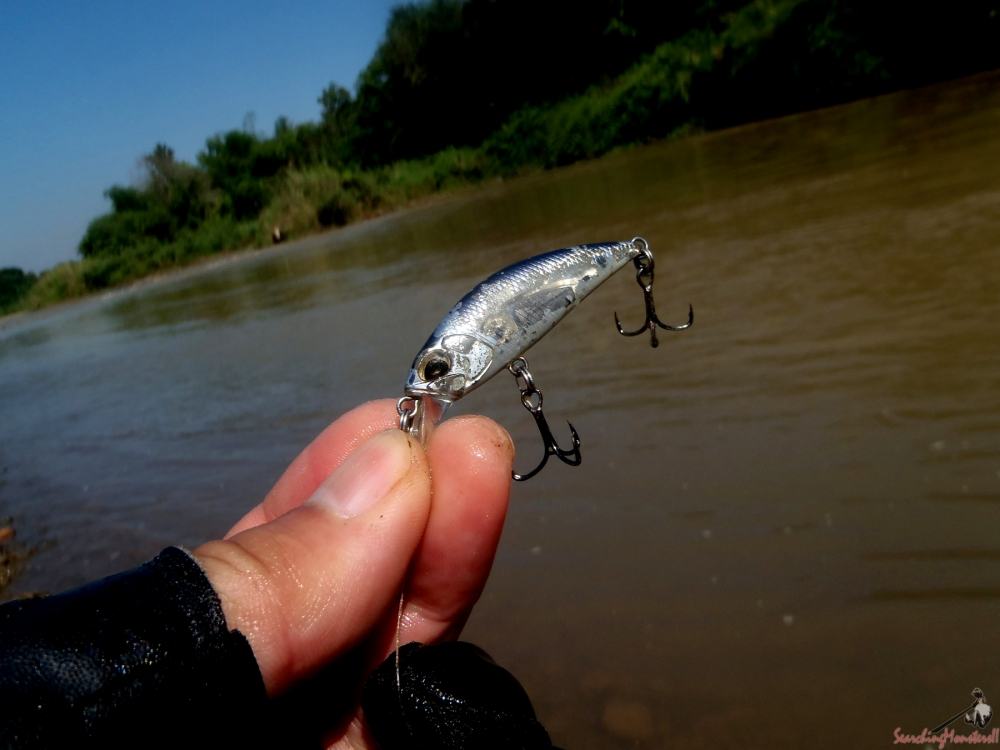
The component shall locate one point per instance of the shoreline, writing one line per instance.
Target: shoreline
(228, 257)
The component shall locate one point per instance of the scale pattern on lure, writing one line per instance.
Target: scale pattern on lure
(504, 316)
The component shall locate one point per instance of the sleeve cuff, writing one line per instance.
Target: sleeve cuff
(143, 658)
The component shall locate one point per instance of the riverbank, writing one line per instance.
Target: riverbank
(720, 67)
(294, 242)
(308, 202)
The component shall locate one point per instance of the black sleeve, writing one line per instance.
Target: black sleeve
(140, 659)
(449, 696)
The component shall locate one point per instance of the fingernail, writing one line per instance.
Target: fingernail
(366, 476)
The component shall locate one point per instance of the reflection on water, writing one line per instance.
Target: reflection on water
(784, 516)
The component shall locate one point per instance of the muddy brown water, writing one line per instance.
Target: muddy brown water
(784, 531)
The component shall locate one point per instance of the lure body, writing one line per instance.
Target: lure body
(494, 324)
(508, 313)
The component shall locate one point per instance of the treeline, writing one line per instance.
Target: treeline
(458, 91)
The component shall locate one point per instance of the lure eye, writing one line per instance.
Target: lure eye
(436, 368)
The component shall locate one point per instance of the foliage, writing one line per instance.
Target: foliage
(403, 181)
(239, 165)
(61, 282)
(173, 197)
(463, 90)
(338, 123)
(657, 96)
(214, 235)
(14, 284)
(323, 196)
(448, 73)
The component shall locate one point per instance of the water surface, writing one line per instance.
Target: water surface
(784, 530)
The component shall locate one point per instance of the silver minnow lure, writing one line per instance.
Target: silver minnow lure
(504, 316)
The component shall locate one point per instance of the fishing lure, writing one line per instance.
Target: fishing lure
(491, 327)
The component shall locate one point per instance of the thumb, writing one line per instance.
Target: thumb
(311, 584)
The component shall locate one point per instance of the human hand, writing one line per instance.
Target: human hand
(313, 573)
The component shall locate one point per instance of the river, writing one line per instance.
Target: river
(784, 530)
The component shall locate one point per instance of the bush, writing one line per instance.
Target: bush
(650, 100)
(337, 211)
(14, 285)
(297, 200)
(406, 180)
(100, 272)
(61, 282)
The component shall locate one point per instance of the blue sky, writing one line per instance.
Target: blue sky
(90, 87)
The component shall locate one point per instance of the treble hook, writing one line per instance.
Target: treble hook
(644, 277)
(531, 399)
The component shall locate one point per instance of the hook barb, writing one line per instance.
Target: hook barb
(623, 332)
(571, 457)
(644, 277)
(531, 399)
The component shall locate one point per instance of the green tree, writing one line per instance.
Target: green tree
(172, 196)
(282, 126)
(240, 164)
(336, 135)
(14, 284)
(181, 188)
(335, 103)
(449, 73)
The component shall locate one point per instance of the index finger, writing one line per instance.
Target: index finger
(320, 458)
